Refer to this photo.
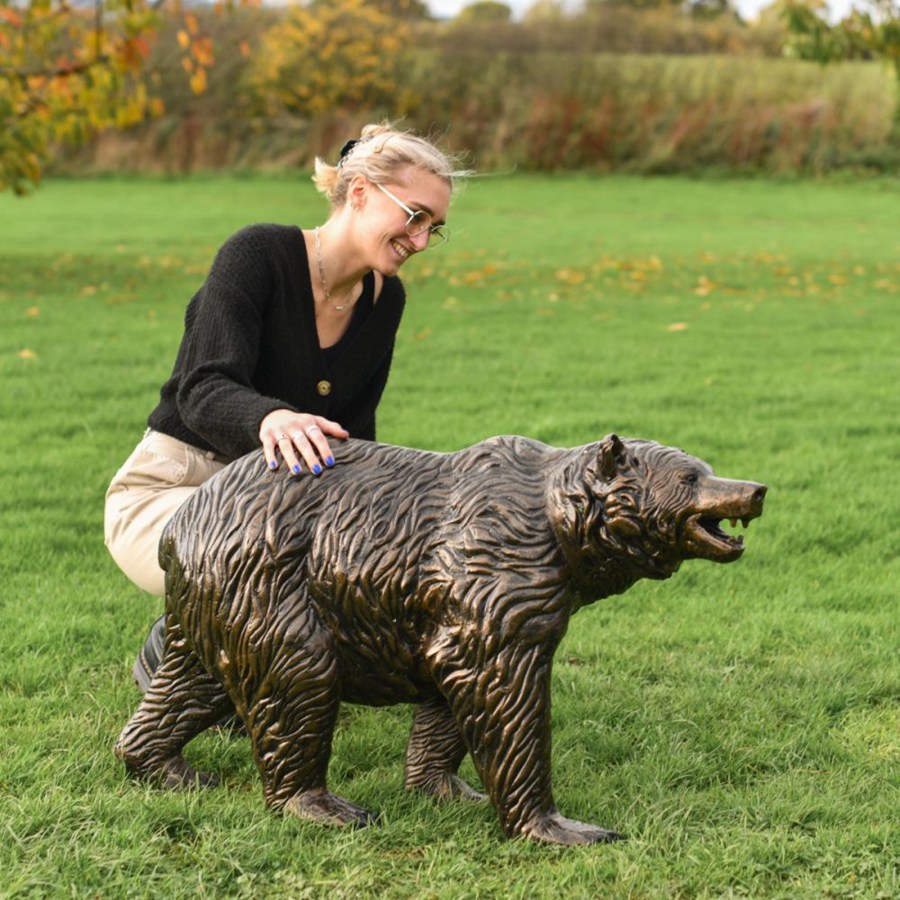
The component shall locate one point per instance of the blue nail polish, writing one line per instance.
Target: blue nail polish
(329, 461)
(272, 464)
(317, 469)
(296, 470)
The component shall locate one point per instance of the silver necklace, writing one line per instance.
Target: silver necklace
(340, 307)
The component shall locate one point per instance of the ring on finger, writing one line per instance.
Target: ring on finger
(312, 428)
(280, 437)
(297, 434)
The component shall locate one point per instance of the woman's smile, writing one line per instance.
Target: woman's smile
(400, 250)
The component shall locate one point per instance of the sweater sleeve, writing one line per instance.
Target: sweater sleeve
(220, 351)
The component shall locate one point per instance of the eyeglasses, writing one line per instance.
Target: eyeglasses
(418, 222)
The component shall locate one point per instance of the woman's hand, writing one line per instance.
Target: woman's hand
(298, 435)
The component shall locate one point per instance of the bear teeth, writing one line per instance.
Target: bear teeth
(713, 527)
(745, 521)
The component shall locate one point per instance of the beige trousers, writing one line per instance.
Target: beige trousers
(155, 480)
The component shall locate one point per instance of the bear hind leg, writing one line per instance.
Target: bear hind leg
(182, 701)
(434, 753)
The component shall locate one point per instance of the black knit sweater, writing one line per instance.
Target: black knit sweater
(250, 346)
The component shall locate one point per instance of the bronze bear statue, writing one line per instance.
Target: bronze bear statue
(404, 576)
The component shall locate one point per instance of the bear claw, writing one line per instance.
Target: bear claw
(557, 829)
(322, 806)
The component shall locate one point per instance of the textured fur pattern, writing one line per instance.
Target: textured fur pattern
(444, 580)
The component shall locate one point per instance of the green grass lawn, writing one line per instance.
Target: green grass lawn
(741, 724)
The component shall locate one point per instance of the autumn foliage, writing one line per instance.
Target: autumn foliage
(66, 71)
(872, 33)
(341, 55)
(621, 85)
(71, 69)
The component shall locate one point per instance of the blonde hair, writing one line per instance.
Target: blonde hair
(377, 155)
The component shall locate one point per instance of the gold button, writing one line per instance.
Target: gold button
(324, 388)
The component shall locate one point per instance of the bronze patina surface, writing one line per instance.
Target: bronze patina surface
(405, 576)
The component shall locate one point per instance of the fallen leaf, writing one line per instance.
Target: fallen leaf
(677, 326)
(27, 354)
(704, 286)
(570, 276)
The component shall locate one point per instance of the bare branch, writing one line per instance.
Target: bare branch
(58, 72)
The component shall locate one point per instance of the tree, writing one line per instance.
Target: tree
(872, 33)
(70, 68)
(339, 55)
(485, 11)
(410, 10)
(545, 12)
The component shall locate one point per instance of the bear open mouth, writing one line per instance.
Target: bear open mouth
(709, 540)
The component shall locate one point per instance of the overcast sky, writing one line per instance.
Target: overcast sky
(747, 8)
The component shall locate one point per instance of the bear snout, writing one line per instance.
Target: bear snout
(717, 500)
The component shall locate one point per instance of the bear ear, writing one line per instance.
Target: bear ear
(610, 455)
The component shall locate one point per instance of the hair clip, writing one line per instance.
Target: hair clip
(345, 151)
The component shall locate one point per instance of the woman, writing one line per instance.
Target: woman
(286, 346)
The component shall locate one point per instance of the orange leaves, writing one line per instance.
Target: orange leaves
(571, 276)
(65, 74)
(199, 56)
(69, 70)
(633, 274)
(200, 48)
(134, 51)
(198, 81)
(704, 286)
(11, 17)
(203, 51)
(480, 277)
